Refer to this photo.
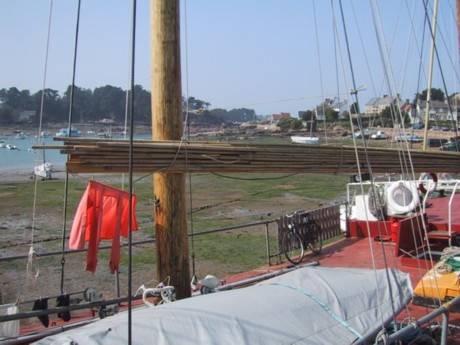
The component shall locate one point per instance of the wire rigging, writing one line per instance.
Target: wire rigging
(70, 120)
(130, 159)
(185, 138)
(320, 72)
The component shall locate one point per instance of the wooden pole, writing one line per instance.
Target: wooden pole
(169, 188)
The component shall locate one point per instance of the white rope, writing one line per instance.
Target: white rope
(166, 292)
(33, 269)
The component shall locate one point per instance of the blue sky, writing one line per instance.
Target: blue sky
(266, 55)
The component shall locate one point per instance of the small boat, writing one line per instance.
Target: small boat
(20, 135)
(306, 140)
(43, 170)
(11, 147)
(45, 134)
(64, 133)
(104, 135)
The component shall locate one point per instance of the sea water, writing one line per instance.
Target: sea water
(25, 158)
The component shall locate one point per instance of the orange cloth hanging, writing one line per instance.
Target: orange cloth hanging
(103, 214)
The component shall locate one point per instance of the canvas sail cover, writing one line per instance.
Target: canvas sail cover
(310, 305)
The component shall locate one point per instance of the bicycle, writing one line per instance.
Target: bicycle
(298, 237)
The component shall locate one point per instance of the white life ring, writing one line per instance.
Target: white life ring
(431, 184)
(400, 188)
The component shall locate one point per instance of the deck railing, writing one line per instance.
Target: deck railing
(328, 218)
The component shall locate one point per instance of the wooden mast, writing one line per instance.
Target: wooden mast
(169, 188)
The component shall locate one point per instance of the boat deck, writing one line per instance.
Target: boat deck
(437, 210)
(371, 253)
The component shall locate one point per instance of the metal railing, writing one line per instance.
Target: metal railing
(328, 218)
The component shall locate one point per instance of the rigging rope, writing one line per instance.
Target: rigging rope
(187, 135)
(66, 181)
(449, 101)
(354, 94)
(320, 74)
(33, 269)
(131, 139)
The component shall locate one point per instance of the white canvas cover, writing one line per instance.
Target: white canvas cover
(9, 328)
(311, 305)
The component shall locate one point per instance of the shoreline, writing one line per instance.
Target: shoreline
(23, 174)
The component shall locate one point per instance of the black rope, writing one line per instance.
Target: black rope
(66, 184)
(131, 139)
(187, 136)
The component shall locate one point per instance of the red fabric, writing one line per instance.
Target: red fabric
(102, 214)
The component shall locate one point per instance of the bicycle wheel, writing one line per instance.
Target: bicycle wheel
(314, 238)
(292, 247)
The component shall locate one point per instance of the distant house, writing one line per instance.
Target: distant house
(409, 109)
(276, 117)
(319, 114)
(377, 104)
(26, 115)
(437, 111)
(341, 107)
(371, 106)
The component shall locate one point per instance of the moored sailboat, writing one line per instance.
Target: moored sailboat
(248, 307)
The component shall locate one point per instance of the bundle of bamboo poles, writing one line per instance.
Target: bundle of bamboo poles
(87, 155)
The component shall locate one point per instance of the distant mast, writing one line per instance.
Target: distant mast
(169, 188)
(430, 73)
(458, 31)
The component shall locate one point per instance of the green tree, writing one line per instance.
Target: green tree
(391, 115)
(286, 124)
(12, 97)
(307, 115)
(52, 106)
(354, 109)
(435, 95)
(194, 104)
(219, 112)
(331, 115)
(82, 110)
(296, 124)
(109, 102)
(142, 105)
(240, 115)
(6, 114)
